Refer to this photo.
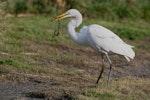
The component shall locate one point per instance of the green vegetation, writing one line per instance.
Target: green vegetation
(30, 52)
(132, 31)
(125, 90)
(29, 46)
(114, 10)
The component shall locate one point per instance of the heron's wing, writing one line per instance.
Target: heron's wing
(103, 33)
(84, 30)
(101, 38)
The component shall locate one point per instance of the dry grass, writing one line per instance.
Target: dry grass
(56, 68)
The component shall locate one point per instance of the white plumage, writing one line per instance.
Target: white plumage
(104, 40)
(97, 37)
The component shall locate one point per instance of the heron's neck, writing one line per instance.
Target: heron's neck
(75, 36)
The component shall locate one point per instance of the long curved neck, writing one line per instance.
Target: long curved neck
(75, 36)
(71, 31)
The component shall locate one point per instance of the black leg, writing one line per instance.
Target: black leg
(101, 70)
(110, 63)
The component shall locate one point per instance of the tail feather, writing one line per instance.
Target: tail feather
(127, 58)
(125, 50)
(129, 53)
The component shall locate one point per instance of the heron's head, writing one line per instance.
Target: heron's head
(72, 13)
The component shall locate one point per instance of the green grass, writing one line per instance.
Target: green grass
(132, 31)
(28, 45)
(29, 51)
(23, 33)
(124, 89)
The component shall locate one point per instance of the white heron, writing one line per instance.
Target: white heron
(97, 37)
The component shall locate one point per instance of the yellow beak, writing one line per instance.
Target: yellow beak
(60, 17)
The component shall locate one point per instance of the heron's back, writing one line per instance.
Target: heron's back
(104, 40)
